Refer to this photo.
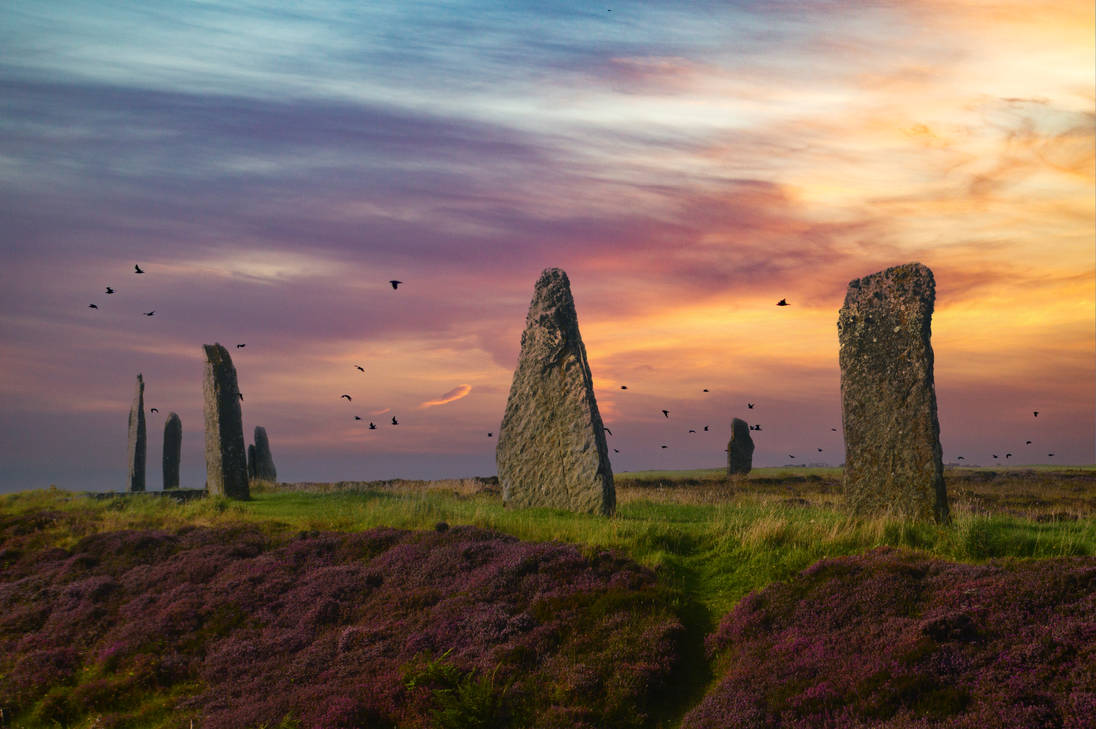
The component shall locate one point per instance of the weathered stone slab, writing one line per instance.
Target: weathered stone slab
(173, 445)
(225, 452)
(264, 461)
(551, 447)
(136, 443)
(893, 460)
(740, 449)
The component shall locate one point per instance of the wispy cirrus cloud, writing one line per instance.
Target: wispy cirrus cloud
(455, 394)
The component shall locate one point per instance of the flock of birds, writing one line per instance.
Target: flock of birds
(395, 284)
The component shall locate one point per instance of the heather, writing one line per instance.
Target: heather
(895, 640)
(452, 627)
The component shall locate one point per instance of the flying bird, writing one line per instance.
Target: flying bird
(348, 398)
(1027, 442)
(372, 426)
(92, 306)
(834, 429)
(994, 455)
(749, 406)
(395, 284)
(1008, 455)
(357, 417)
(110, 290)
(819, 450)
(782, 302)
(705, 428)
(623, 387)
(705, 389)
(691, 430)
(1050, 455)
(665, 446)
(394, 421)
(240, 346)
(790, 456)
(490, 435)
(241, 396)
(1035, 413)
(137, 269)
(666, 413)
(755, 427)
(960, 458)
(150, 313)
(607, 430)
(359, 368)
(153, 410)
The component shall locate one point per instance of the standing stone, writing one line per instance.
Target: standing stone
(251, 462)
(551, 447)
(225, 452)
(137, 446)
(893, 460)
(740, 449)
(173, 444)
(264, 462)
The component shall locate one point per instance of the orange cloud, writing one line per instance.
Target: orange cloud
(455, 394)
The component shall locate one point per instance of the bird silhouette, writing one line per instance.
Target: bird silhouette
(790, 456)
(834, 429)
(819, 450)
(705, 428)
(153, 410)
(240, 346)
(691, 430)
(749, 406)
(240, 395)
(1027, 442)
(1035, 413)
(665, 446)
(357, 417)
(348, 398)
(394, 421)
(755, 427)
(92, 306)
(395, 284)
(359, 368)
(705, 389)
(372, 426)
(489, 435)
(1050, 455)
(607, 430)
(150, 313)
(1008, 455)
(110, 290)
(994, 455)
(623, 387)
(782, 302)
(960, 458)
(615, 451)
(137, 269)
(666, 413)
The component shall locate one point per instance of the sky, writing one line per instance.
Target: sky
(271, 166)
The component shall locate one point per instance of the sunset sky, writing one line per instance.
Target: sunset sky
(687, 164)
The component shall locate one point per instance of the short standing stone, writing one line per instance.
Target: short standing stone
(893, 460)
(173, 444)
(264, 462)
(251, 462)
(551, 447)
(740, 449)
(137, 445)
(225, 452)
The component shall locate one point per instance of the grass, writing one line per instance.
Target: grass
(713, 539)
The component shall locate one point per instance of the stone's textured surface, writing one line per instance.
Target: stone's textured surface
(892, 436)
(173, 444)
(551, 446)
(264, 462)
(740, 449)
(137, 445)
(251, 462)
(225, 453)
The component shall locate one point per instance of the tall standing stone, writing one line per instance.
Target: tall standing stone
(264, 462)
(740, 449)
(225, 452)
(137, 446)
(551, 447)
(893, 460)
(173, 445)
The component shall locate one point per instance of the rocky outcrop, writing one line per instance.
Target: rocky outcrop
(740, 449)
(264, 462)
(225, 452)
(551, 447)
(137, 445)
(893, 458)
(173, 444)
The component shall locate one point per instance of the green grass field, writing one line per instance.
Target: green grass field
(715, 540)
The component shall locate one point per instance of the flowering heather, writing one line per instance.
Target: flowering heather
(382, 628)
(888, 639)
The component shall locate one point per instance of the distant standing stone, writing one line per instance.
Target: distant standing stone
(264, 462)
(893, 460)
(740, 449)
(173, 444)
(225, 452)
(551, 447)
(251, 462)
(137, 446)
